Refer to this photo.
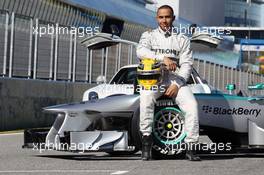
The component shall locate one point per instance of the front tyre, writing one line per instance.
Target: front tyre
(168, 132)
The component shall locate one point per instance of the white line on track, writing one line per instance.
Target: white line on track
(120, 172)
(10, 134)
(113, 172)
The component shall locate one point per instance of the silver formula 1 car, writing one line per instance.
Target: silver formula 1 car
(108, 119)
(111, 124)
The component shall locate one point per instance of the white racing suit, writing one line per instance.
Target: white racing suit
(156, 44)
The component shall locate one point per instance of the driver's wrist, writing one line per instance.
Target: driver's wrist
(179, 84)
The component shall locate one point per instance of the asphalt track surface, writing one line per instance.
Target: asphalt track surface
(15, 160)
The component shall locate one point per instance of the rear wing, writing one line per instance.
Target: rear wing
(103, 40)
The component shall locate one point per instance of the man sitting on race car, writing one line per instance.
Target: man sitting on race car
(165, 45)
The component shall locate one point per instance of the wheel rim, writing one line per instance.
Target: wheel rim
(169, 126)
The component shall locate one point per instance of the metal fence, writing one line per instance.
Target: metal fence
(61, 57)
(26, 53)
(219, 76)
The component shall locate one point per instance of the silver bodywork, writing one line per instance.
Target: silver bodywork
(79, 116)
(228, 112)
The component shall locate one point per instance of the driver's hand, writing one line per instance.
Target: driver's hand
(171, 65)
(172, 91)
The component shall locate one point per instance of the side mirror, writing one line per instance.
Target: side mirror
(93, 96)
(230, 88)
(258, 86)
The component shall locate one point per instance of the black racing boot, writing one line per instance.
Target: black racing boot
(191, 152)
(146, 147)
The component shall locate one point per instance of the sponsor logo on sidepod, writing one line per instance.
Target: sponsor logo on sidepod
(231, 111)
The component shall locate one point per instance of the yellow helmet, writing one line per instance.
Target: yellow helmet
(149, 73)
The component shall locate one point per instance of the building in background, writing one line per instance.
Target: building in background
(217, 12)
(203, 12)
(244, 13)
(262, 15)
(247, 19)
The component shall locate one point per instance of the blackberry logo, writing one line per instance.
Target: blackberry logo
(207, 109)
(231, 111)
